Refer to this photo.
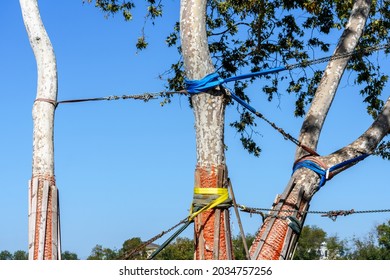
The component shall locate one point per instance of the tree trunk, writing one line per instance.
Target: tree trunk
(277, 237)
(212, 227)
(44, 234)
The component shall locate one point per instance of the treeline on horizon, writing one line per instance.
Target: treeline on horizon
(374, 246)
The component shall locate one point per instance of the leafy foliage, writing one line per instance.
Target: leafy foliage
(67, 255)
(111, 7)
(5, 255)
(180, 249)
(383, 150)
(183, 249)
(154, 10)
(100, 253)
(247, 36)
(246, 137)
(337, 249)
(23, 255)
(17, 255)
(311, 240)
(130, 245)
(20, 255)
(238, 246)
(376, 246)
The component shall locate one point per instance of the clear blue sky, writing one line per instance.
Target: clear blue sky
(125, 168)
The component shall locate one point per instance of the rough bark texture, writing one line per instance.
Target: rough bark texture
(276, 239)
(43, 211)
(211, 226)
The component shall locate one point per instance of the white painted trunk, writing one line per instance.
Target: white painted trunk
(43, 111)
(326, 91)
(209, 109)
(212, 228)
(315, 117)
(43, 211)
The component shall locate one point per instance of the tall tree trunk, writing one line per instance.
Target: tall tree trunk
(44, 234)
(212, 227)
(277, 237)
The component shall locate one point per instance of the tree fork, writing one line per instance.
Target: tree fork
(274, 238)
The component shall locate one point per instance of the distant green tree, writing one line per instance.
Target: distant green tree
(69, 256)
(20, 255)
(181, 249)
(365, 249)
(101, 253)
(5, 255)
(129, 246)
(238, 246)
(337, 249)
(17, 255)
(383, 231)
(376, 246)
(309, 243)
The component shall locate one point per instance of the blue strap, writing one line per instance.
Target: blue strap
(313, 167)
(212, 80)
(243, 103)
(347, 162)
(324, 173)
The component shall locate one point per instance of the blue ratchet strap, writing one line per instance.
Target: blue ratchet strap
(213, 80)
(326, 173)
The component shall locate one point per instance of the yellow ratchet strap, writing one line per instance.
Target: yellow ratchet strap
(223, 195)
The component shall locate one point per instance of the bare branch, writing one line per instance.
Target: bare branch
(366, 143)
(327, 88)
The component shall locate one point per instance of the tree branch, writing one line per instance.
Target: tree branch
(326, 91)
(366, 143)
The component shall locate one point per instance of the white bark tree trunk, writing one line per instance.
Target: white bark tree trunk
(44, 235)
(212, 227)
(276, 239)
(326, 91)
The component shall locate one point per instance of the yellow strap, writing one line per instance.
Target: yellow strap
(219, 191)
(223, 195)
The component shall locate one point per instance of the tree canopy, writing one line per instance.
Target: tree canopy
(374, 246)
(17, 255)
(311, 240)
(247, 36)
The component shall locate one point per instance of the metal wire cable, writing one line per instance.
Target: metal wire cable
(144, 97)
(126, 256)
(333, 214)
(338, 56)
